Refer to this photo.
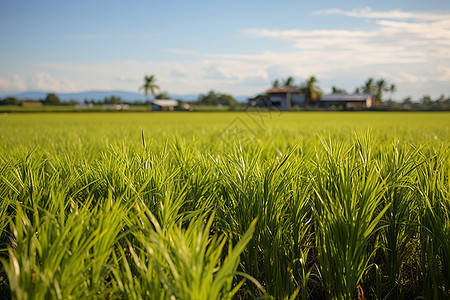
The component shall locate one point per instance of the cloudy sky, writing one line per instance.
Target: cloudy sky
(235, 47)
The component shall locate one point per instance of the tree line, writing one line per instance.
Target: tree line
(50, 99)
(211, 98)
(309, 88)
(53, 99)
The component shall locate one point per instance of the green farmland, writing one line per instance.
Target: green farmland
(279, 205)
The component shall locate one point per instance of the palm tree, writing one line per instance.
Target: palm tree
(382, 86)
(369, 87)
(376, 88)
(276, 83)
(289, 82)
(393, 88)
(149, 85)
(311, 90)
(335, 90)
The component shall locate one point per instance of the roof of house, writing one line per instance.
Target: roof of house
(165, 102)
(283, 90)
(345, 97)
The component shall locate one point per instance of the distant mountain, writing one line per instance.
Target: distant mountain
(100, 95)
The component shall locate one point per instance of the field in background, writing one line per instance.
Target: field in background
(258, 126)
(225, 205)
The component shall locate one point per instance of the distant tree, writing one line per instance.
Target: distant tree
(10, 101)
(336, 90)
(447, 101)
(289, 82)
(149, 85)
(52, 99)
(112, 100)
(382, 86)
(116, 100)
(426, 100)
(369, 86)
(376, 88)
(311, 90)
(213, 98)
(276, 83)
(441, 99)
(392, 89)
(407, 101)
(72, 102)
(162, 95)
(209, 99)
(227, 100)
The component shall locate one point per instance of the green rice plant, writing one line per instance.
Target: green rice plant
(433, 190)
(302, 235)
(4, 203)
(398, 166)
(62, 255)
(253, 190)
(5, 235)
(348, 191)
(180, 262)
(25, 176)
(318, 206)
(4, 219)
(134, 274)
(195, 174)
(131, 172)
(239, 206)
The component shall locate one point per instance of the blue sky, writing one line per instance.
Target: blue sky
(235, 47)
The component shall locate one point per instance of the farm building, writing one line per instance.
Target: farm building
(164, 104)
(31, 104)
(347, 100)
(116, 106)
(287, 98)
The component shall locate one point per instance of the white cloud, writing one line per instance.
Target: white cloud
(125, 78)
(444, 74)
(368, 13)
(403, 77)
(36, 82)
(178, 74)
(402, 46)
(46, 82)
(391, 42)
(216, 72)
(14, 84)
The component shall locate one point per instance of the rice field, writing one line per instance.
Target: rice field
(256, 205)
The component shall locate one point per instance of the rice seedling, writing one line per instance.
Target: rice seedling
(433, 190)
(62, 255)
(348, 191)
(398, 168)
(188, 261)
